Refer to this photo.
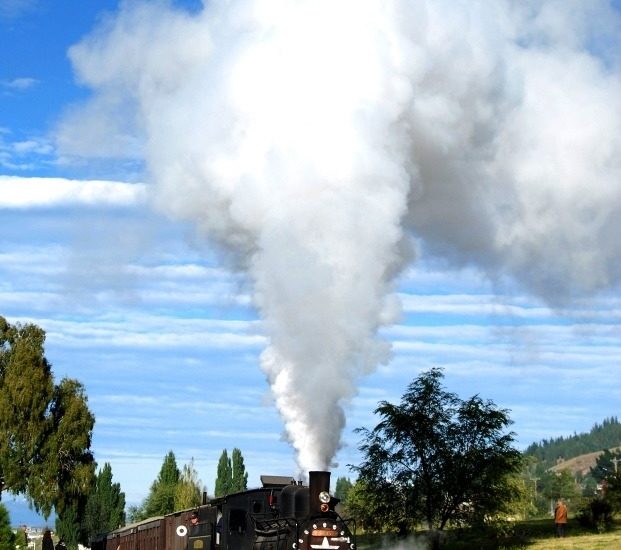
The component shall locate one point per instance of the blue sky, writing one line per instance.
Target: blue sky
(492, 249)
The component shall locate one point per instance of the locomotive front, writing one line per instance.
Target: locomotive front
(323, 527)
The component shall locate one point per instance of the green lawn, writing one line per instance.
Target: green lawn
(527, 535)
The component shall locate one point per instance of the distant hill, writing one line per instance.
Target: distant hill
(587, 446)
(579, 464)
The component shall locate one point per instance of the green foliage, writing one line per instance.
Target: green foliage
(231, 476)
(161, 498)
(559, 484)
(21, 539)
(597, 514)
(105, 507)
(7, 537)
(189, 488)
(239, 476)
(45, 429)
(68, 525)
(606, 435)
(605, 465)
(437, 458)
(224, 475)
(170, 492)
(342, 488)
(377, 507)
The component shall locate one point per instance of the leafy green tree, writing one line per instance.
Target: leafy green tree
(7, 537)
(224, 476)
(161, 498)
(135, 513)
(342, 488)
(45, 429)
(105, 507)
(189, 488)
(375, 511)
(559, 484)
(239, 476)
(439, 458)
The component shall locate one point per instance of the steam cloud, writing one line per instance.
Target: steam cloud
(317, 139)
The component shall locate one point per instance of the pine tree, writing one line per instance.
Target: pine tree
(7, 537)
(161, 498)
(225, 475)
(68, 525)
(105, 507)
(239, 476)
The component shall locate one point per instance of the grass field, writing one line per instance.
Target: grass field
(531, 535)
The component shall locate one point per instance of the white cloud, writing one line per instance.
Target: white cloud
(23, 193)
(22, 83)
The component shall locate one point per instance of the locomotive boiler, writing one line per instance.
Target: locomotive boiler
(282, 514)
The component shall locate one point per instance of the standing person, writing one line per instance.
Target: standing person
(47, 542)
(560, 518)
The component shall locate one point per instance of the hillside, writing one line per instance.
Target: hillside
(579, 464)
(606, 435)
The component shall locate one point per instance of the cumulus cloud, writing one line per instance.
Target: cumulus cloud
(316, 139)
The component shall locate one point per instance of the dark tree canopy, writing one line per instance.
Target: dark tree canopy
(239, 476)
(231, 476)
(224, 475)
(7, 537)
(45, 429)
(105, 507)
(606, 465)
(438, 458)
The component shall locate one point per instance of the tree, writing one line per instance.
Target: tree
(224, 476)
(68, 525)
(105, 507)
(161, 498)
(438, 458)
(376, 511)
(559, 484)
(189, 488)
(342, 488)
(45, 429)
(239, 476)
(232, 476)
(605, 464)
(7, 537)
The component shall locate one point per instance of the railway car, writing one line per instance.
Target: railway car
(281, 515)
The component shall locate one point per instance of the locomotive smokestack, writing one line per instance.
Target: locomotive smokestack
(318, 482)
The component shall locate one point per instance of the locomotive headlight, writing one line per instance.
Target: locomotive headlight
(324, 497)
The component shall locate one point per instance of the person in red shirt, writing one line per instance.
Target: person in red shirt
(560, 518)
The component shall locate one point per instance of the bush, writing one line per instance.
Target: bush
(596, 514)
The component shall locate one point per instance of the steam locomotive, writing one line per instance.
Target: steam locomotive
(280, 515)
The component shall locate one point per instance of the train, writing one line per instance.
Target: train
(282, 514)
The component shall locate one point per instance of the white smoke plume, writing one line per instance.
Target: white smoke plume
(317, 138)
